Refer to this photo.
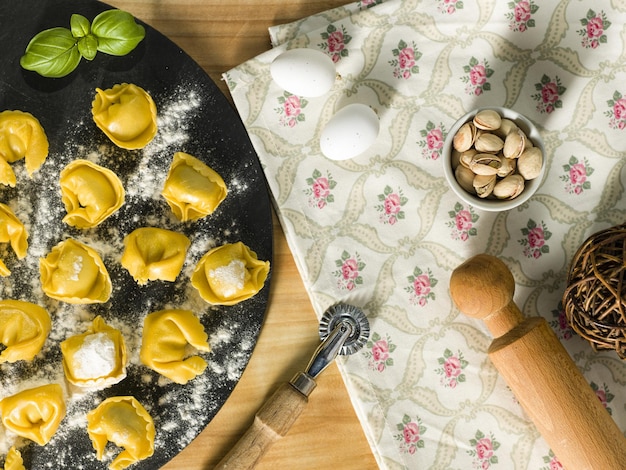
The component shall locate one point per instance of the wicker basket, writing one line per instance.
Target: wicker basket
(595, 298)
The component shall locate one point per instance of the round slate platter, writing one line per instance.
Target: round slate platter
(194, 117)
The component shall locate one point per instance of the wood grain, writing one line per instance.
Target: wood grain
(219, 35)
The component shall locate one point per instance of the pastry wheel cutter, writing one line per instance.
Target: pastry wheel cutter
(343, 329)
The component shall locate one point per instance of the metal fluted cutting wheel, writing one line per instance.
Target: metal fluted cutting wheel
(352, 315)
(595, 298)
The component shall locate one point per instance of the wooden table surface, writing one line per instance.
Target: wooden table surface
(219, 35)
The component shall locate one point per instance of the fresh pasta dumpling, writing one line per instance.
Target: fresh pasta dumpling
(14, 460)
(24, 327)
(152, 253)
(91, 193)
(12, 231)
(126, 423)
(21, 136)
(167, 336)
(95, 359)
(127, 114)
(192, 189)
(228, 274)
(74, 273)
(34, 413)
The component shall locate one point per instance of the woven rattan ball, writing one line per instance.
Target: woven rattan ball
(595, 298)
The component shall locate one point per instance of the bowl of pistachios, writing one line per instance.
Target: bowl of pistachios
(494, 158)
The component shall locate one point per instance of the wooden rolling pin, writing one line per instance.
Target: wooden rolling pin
(538, 369)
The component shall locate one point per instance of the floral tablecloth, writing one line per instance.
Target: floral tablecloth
(383, 230)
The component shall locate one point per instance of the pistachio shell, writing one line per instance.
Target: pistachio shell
(485, 164)
(487, 119)
(465, 158)
(506, 127)
(465, 178)
(530, 162)
(508, 166)
(509, 187)
(484, 184)
(514, 144)
(488, 143)
(464, 138)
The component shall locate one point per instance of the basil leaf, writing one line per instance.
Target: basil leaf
(79, 25)
(52, 53)
(88, 47)
(117, 32)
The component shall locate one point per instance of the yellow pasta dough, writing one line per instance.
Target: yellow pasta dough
(95, 359)
(12, 231)
(192, 189)
(74, 273)
(24, 327)
(126, 423)
(152, 253)
(229, 274)
(167, 335)
(127, 114)
(14, 460)
(21, 136)
(34, 413)
(91, 193)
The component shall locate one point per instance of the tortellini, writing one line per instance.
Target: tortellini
(126, 423)
(12, 231)
(127, 114)
(228, 274)
(91, 193)
(74, 273)
(152, 253)
(192, 189)
(34, 413)
(96, 358)
(24, 327)
(14, 460)
(21, 136)
(167, 335)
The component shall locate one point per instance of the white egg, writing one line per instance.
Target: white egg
(304, 72)
(350, 132)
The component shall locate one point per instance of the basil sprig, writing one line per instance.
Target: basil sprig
(56, 52)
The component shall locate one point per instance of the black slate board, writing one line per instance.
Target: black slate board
(195, 118)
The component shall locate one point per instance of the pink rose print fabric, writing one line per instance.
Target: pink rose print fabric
(552, 461)
(521, 15)
(420, 287)
(335, 42)
(319, 190)
(462, 223)
(604, 395)
(594, 27)
(450, 7)
(534, 241)
(617, 111)
(365, 4)
(576, 175)
(483, 450)
(451, 368)
(390, 206)
(410, 436)
(349, 273)
(476, 77)
(549, 94)
(432, 140)
(290, 109)
(560, 325)
(405, 59)
(379, 351)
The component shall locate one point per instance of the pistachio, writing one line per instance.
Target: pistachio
(514, 144)
(465, 158)
(507, 167)
(509, 187)
(530, 162)
(488, 143)
(464, 138)
(484, 184)
(487, 119)
(465, 178)
(485, 164)
(506, 127)
(455, 158)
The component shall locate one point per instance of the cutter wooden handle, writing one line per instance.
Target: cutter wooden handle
(538, 369)
(271, 423)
